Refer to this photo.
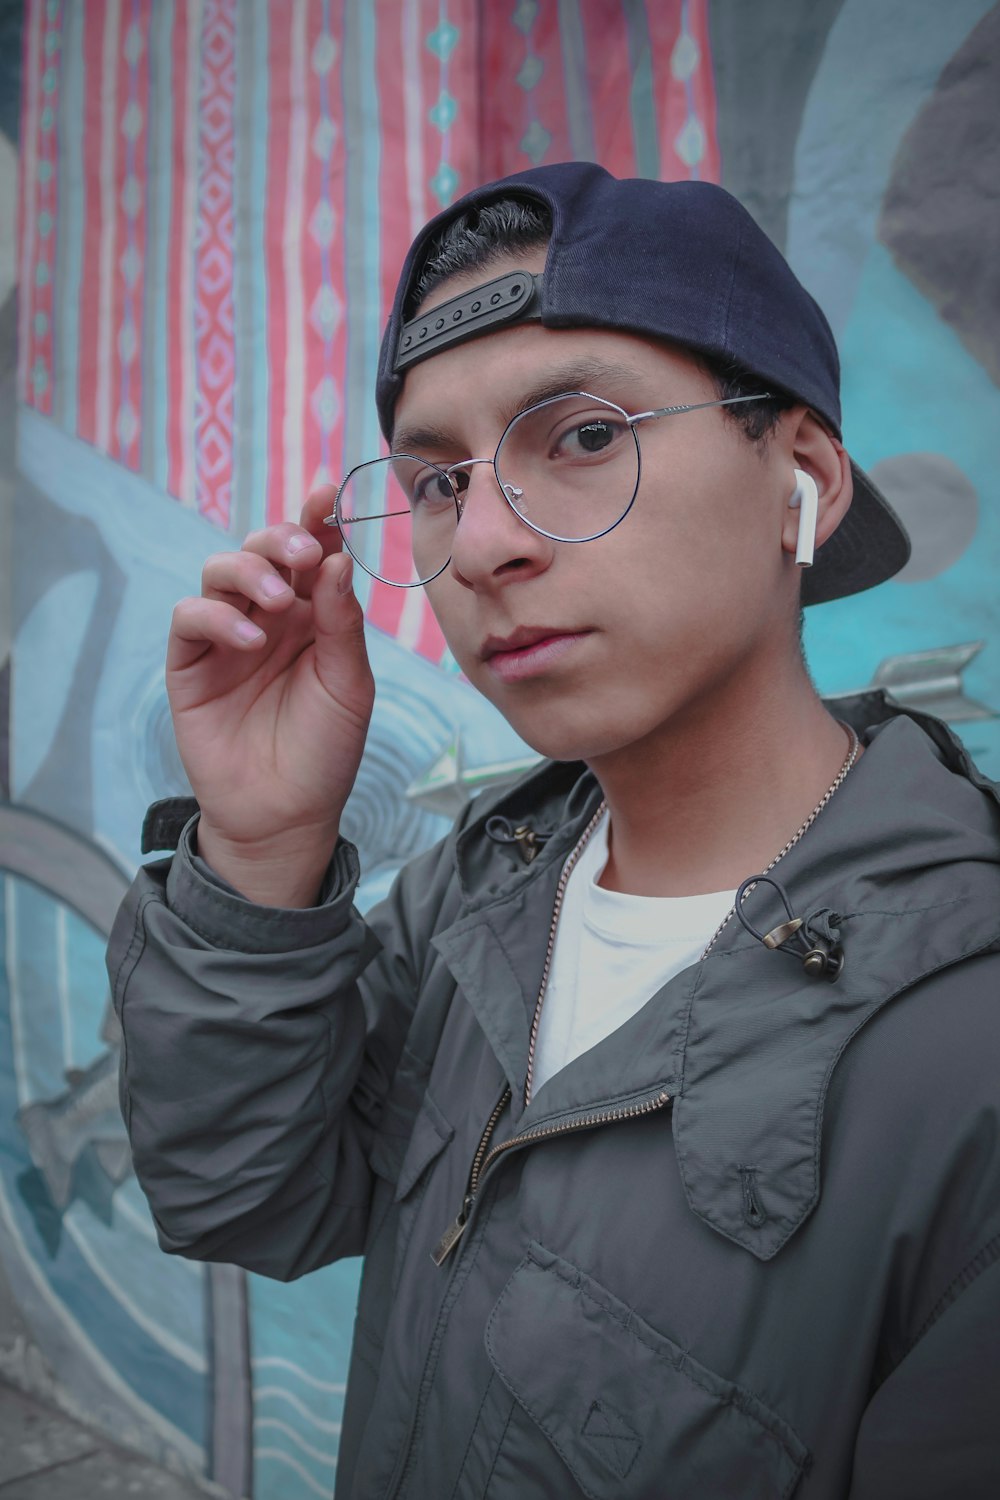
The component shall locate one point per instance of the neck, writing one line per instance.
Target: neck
(713, 794)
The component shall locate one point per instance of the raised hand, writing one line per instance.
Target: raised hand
(271, 694)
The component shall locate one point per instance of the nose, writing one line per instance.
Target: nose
(492, 543)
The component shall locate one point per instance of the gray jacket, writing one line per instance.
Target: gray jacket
(748, 1246)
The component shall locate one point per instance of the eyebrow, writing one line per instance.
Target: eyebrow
(576, 376)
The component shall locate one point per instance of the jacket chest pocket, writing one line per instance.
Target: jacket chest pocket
(630, 1414)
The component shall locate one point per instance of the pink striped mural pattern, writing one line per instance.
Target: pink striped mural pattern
(278, 199)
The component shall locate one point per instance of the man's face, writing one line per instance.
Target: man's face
(590, 648)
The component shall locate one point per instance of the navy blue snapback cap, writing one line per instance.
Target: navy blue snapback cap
(682, 261)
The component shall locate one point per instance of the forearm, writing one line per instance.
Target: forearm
(244, 1037)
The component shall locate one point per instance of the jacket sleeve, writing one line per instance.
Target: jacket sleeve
(931, 1431)
(258, 1048)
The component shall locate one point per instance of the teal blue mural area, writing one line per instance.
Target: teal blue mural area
(864, 136)
(68, 1204)
(871, 145)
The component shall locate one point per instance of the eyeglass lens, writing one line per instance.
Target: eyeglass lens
(569, 467)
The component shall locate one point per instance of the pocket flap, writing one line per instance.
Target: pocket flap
(402, 1161)
(630, 1413)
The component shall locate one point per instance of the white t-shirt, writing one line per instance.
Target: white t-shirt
(612, 952)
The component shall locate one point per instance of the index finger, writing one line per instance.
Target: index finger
(318, 506)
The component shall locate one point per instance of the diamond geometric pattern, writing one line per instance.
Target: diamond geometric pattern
(442, 115)
(133, 45)
(132, 121)
(325, 404)
(525, 15)
(35, 344)
(536, 141)
(130, 265)
(325, 312)
(444, 183)
(130, 154)
(326, 309)
(324, 138)
(324, 53)
(690, 142)
(442, 39)
(323, 223)
(430, 133)
(530, 72)
(215, 354)
(685, 57)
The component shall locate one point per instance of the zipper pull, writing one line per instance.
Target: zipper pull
(528, 841)
(452, 1234)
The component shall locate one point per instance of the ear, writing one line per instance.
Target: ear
(814, 448)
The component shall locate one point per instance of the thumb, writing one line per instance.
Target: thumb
(341, 655)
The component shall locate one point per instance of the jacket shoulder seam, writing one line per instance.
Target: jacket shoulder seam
(983, 1259)
(903, 911)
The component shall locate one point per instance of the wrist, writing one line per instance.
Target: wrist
(285, 870)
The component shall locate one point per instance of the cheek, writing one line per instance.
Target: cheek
(706, 526)
(451, 606)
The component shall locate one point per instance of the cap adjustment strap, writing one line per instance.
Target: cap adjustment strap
(513, 298)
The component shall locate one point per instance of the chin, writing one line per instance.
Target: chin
(563, 737)
(586, 715)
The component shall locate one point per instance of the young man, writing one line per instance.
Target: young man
(669, 1181)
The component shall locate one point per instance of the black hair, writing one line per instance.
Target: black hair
(758, 419)
(480, 237)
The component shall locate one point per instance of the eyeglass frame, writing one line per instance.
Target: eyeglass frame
(467, 463)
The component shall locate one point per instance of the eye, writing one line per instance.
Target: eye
(430, 489)
(595, 435)
(584, 439)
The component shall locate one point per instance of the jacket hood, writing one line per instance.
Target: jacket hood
(902, 869)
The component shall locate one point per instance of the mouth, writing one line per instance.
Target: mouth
(529, 651)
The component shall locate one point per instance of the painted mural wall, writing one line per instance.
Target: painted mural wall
(212, 201)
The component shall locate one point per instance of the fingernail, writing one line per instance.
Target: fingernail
(272, 586)
(300, 542)
(247, 631)
(346, 578)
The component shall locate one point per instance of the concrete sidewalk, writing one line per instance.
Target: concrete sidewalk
(45, 1455)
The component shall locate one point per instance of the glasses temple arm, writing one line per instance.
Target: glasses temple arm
(670, 411)
(383, 515)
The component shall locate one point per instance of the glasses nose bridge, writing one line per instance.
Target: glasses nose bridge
(468, 463)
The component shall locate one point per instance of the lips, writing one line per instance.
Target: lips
(533, 651)
(522, 639)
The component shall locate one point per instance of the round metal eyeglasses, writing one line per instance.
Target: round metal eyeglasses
(568, 467)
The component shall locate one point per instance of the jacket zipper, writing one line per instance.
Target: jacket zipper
(485, 1156)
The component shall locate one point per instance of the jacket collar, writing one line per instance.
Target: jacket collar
(902, 869)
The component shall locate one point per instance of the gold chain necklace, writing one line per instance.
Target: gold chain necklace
(571, 862)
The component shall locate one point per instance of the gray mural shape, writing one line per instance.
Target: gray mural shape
(938, 505)
(79, 548)
(764, 68)
(879, 65)
(941, 211)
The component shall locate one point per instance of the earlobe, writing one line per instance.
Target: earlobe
(805, 499)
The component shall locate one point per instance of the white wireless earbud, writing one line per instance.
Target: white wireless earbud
(806, 501)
